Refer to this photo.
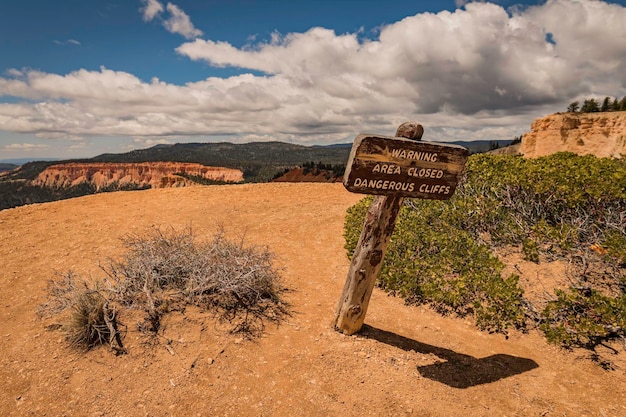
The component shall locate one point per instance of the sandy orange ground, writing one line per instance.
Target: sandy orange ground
(409, 361)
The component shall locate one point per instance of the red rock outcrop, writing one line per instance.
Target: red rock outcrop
(599, 134)
(154, 174)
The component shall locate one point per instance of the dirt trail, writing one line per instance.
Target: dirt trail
(408, 362)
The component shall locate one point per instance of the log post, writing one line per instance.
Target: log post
(370, 251)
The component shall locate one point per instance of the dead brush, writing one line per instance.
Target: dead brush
(240, 284)
(93, 322)
(91, 319)
(166, 270)
(62, 293)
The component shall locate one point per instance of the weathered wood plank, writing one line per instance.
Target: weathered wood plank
(370, 251)
(400, 167)
(366, 263)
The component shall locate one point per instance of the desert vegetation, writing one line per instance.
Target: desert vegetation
(165, 271)
(560, 207)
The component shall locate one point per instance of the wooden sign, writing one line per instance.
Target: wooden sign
(396, 166)
(393, 168)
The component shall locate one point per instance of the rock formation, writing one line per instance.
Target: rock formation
(153, 174)
(599, 134)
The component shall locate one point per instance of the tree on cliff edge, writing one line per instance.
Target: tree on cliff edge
(615, 105)
(592, 105)
(573, 107)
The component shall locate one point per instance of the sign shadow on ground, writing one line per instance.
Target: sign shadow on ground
(456, 369)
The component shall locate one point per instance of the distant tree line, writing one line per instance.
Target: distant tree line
(315, 167)
(15, 194)
(329, 170)
(591, 105)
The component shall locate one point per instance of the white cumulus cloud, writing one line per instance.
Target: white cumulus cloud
(177, 21)
(151, 9)
(476, 59)
(476, 73)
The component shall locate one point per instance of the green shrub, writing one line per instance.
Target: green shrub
(562, 206)
(615, 244)
(584, 317)
(430, 261)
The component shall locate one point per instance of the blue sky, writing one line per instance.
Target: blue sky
(80, 78)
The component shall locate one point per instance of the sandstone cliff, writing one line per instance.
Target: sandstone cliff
(153, 174)
(600, 134)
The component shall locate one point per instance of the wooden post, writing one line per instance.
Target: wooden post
(370, 251)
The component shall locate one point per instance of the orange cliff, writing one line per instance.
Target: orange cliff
(153, 174)
(599, 134)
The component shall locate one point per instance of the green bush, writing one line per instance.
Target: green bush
(584, 317)
(430, 261)
(562, 206)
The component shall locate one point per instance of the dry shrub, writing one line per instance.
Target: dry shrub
(90, 320)
(166, 270)
(93, 322)
(62, 294)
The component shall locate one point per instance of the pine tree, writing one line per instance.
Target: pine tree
(589, 106)
(573, 107)
(615, 105)
(606, 104)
